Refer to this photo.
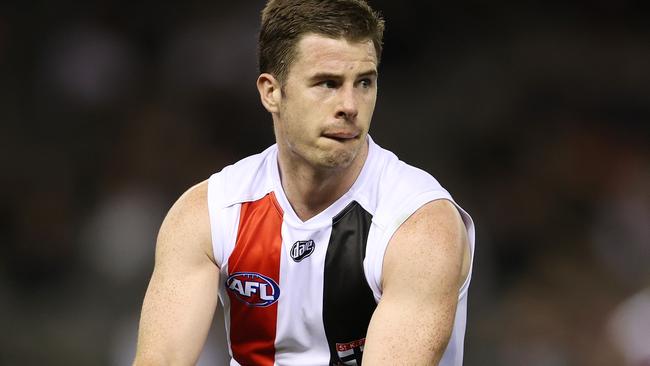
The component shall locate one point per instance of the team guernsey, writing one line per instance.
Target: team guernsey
(302, 292)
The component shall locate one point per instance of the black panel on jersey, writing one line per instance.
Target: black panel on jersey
(348, 302)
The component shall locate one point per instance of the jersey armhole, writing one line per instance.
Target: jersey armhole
(215, 189)
(471, 236)
(224, 220)
(374, 262)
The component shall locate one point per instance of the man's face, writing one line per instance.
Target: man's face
(327, 101)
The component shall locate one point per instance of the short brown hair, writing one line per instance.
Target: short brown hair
(284, 22)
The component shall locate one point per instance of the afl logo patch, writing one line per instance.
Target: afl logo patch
(253, 289)
(302, 249)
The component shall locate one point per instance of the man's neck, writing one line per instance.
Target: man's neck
(311, 190)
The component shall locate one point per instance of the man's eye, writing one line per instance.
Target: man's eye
(330, 84)
(365, 83)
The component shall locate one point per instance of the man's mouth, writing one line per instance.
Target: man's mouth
(341, 135)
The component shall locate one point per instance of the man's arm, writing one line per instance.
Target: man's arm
(425, 264)
(182, 294)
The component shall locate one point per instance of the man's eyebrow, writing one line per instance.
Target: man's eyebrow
(333, 76)
(325, 75)
(372, 72)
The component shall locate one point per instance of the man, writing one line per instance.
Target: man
(324, 249)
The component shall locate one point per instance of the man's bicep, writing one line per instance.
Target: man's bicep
(182, 294)
(422, 273)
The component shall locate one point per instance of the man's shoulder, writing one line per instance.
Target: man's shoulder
(397, 188)
(247, 179)
(187, 225)
(397, 177)
(393, 170)
(191, 205)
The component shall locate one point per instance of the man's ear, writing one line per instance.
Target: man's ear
(270, 92)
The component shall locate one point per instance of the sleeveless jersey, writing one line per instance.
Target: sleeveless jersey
(302, 293)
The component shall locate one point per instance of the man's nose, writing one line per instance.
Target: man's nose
(348, 104)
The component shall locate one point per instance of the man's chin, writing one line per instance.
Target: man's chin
(340, 158)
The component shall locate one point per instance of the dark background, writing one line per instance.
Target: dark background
(534, 115)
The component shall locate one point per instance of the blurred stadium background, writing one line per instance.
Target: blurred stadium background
(535, 115)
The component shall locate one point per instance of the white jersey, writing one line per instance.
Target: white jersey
(302, 293)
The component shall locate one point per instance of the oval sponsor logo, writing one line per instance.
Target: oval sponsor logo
(253, 288)
(302, 249)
